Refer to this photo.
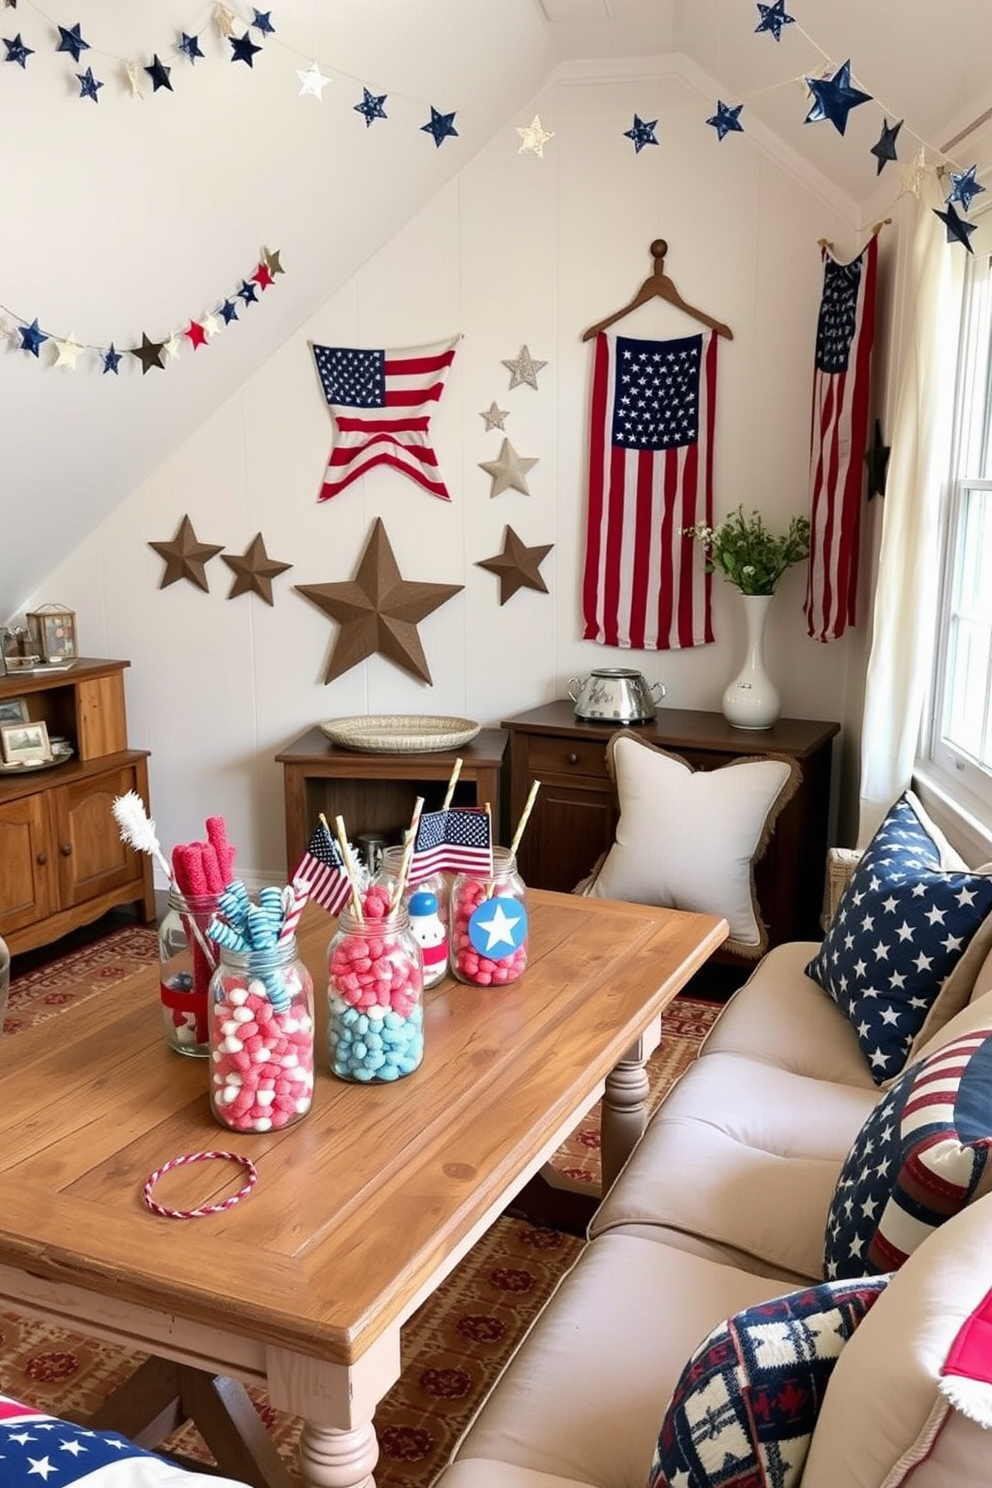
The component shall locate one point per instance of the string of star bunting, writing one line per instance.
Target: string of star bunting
(30, 337)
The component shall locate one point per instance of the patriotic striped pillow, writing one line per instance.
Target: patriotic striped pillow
(921, 1156)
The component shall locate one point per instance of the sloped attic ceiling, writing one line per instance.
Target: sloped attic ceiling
(142, 211)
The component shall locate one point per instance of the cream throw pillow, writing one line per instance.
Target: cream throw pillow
(689, 838)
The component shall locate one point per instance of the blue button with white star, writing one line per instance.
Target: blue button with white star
(498, 927)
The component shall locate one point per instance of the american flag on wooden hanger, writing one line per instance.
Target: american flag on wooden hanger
(650, 477)
(382, 403)
(839, 437)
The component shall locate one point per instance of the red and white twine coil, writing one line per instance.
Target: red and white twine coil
(191, 1157)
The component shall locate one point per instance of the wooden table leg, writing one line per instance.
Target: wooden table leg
(338, 1459)
(625, 1105)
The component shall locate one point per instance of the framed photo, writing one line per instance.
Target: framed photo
(14, 710)
(24, 741)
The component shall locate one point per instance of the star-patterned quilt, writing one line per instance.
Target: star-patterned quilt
(901, 927)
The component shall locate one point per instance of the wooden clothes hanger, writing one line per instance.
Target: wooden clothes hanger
(658, 285)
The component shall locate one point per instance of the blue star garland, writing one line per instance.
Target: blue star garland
(884, 148)
(32, 339)
(964, 187)
(371, 106)
(641, 132)
(243, 49)
(190, 45)
(112, 360)
(773, 18)
(17, 51)
(89, 86)
(958, 231)
(159, 74)
(229, 310)
(248, 293)
(440, 126)
(835, 98)
(70, 40)
(726, 119)
(262, 21)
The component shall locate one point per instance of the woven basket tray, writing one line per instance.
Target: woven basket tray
(400, 733)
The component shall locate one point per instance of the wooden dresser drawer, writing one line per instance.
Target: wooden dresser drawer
(547, 756)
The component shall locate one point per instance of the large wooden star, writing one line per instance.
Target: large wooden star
(378, 611)
(254, 571)
(517, 566)
(185, 557)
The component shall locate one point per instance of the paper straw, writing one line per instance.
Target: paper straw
(528, 808)
(356, 902)
(408, 845)
(452, 783)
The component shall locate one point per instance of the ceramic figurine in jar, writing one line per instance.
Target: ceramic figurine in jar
(428, 916)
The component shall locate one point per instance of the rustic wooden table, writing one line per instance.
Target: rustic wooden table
(360, 1210)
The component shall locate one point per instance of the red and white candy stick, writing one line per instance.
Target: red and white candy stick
(301, 894)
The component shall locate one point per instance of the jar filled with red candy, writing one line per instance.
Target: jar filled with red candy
(261, 1038)
(427, 905)
(488, 924)
(375, 984)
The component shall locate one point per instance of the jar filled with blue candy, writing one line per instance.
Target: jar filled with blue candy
(375, 983)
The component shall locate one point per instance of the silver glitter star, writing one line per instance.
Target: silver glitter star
(494, 416)
(523, 368)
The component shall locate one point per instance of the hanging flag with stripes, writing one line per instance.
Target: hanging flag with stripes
(650, 477)
(323, 868)
(458, 840)
(839, 438)
(382, 403)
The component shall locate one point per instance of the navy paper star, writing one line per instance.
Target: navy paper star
(440, 127)
(642, 133)
(243, 49)
(262, 21)
(726, 119)
(112, 360)
(190, 45)
(71, 41)
(248, 292)
(371, 106)
(835, 98)
(149, 354)
(31, 337)
(229, 310)
(17, 51)
(884, 148)
(159, 74)
(958, 231)
(966, 188)
(773, 18)
(877, 463)
(89, 86)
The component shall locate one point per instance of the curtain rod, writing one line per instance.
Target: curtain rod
(968, 129)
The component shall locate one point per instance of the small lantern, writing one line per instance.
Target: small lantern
(53, 629)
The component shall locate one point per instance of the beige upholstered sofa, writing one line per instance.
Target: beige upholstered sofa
(723, 1205)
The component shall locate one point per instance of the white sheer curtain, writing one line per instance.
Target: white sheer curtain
(906, 586)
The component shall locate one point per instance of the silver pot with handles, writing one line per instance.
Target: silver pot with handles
(615, 695)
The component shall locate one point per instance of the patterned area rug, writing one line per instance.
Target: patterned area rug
(453, 1347)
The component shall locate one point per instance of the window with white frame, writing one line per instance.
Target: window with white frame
(960, 742)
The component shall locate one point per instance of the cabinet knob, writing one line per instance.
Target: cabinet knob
(41, 859)
(573, 759)
(65, 848)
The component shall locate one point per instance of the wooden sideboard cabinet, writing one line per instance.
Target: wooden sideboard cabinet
(62, 861)
(575, 814)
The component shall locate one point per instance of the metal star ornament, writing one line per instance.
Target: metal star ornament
(534, 138)
(517, 566)
(641, 133)
(186, 557)
(958, 231)
(312, 83)
(494, 417)
(372, 106)
(378, 611)
(509, 472)
(884, 148)
(523, 369)
(254, 570)
(440, 126)
(964, 187)
(772, 18)
(834, 98)
(71, 41)
(726, 120)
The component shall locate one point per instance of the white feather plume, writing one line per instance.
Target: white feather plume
(138, 830)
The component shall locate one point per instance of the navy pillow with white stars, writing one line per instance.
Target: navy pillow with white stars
(901, 927)
(921, 1157)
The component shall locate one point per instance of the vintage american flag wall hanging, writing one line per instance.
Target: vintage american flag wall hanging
(650, 476)
(382, 403)
(839, 438)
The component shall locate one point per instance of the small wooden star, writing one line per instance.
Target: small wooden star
(877, 462)
(254, 571)
(378, 611)
(185, 558)
(494, 417)
(523, 368)
(517, 566)
(509, 472)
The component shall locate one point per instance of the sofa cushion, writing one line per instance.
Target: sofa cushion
(901, 928)
(689, 838)
(746, 1403)
(921, 1156)
(887, 1418)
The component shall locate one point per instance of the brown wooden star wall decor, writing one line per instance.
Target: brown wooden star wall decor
(186, 557)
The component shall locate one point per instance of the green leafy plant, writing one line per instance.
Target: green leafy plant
(751, 557)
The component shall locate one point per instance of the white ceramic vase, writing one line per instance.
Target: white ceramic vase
(752, 700)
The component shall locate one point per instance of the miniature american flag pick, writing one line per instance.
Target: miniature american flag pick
(454, 841)
(323, 867)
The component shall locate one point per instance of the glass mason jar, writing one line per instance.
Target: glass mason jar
(375, 983)
(488, 929)
(427, 905)
(261, 1038)
(187, 959)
